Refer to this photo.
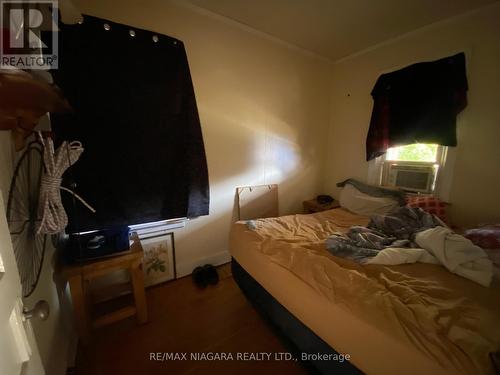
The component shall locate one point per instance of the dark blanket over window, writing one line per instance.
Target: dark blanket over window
(136, 115)
(417, 104)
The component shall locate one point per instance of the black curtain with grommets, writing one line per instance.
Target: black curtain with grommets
(135, 113)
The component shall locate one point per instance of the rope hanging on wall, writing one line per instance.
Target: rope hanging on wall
(50, 208)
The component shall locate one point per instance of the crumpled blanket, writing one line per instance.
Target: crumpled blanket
(441, 245)
(410, 235)
(396, 229)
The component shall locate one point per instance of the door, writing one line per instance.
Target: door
(18, 349)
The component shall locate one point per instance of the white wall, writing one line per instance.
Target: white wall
(55, 336)
(476, 180)
(263, 108)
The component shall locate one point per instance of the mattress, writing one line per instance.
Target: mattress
(412, 319)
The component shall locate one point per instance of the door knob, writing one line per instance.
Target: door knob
(41, 311)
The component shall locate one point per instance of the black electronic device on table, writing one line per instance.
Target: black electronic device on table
(324, 199)
(79, 247)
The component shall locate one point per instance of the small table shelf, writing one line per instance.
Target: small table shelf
(312, 206)
(79, 276)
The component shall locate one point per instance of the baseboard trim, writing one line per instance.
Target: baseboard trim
(186, 268)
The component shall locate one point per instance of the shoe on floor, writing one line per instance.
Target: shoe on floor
(211, 275)
(199, 277)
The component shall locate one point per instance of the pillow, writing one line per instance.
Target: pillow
(487, 237)
(363, 204)
(429, 204)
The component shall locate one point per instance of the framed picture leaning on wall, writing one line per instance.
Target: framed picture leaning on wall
(158, 243)
(159, 257)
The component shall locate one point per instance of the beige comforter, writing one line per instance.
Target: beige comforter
(454, 321)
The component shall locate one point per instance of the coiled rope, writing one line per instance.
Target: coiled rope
(50, 207)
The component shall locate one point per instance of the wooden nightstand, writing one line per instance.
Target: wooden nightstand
(79, 276)
(312, 205)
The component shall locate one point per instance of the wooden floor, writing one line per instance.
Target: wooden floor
(185, 319)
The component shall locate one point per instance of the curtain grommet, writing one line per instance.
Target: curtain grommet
(107, 27)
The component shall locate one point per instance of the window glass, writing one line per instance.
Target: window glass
(414, 152)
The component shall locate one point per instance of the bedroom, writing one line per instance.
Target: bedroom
(283, 93)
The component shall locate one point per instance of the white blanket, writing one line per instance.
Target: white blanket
(441, 245)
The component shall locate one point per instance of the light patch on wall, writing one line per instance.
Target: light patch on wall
(2, 268)
(282, 159)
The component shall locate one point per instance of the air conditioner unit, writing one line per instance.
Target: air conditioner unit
(412, 177)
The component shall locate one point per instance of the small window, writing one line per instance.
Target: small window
(417, 152)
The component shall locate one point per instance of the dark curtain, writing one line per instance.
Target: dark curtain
(135, 113)
(417, 104)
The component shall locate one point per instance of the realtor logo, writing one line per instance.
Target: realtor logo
(29, 34)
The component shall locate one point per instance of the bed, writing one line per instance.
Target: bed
(411, 318)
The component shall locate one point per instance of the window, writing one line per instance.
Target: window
(413, 167)
(417, 152)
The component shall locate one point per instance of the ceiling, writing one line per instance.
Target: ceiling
(337, 28)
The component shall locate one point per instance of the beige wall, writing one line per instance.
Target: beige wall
(263, 108)
(476, 183)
